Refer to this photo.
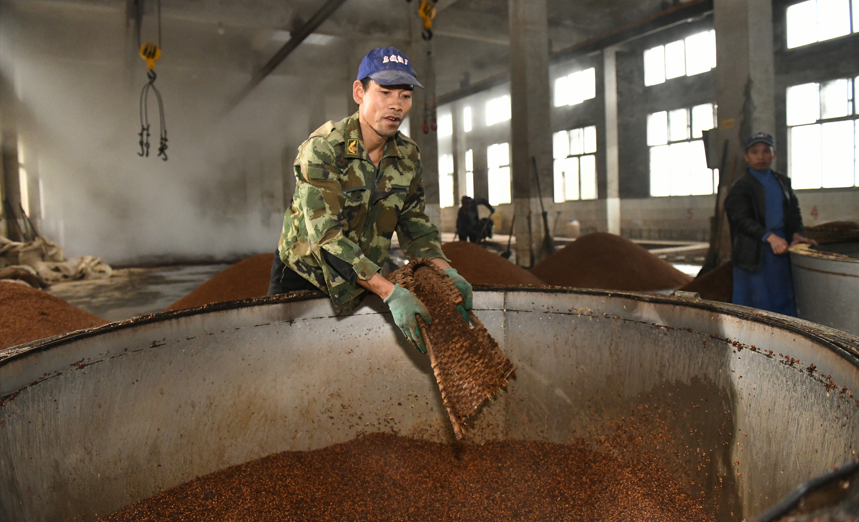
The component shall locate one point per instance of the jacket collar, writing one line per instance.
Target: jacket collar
(355, 142)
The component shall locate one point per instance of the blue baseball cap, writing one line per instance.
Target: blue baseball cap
(760, 137)
(388, 66)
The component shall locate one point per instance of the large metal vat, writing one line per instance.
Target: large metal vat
(826, 282)
(740, 406)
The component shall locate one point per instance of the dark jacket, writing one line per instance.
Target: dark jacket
(746, 209)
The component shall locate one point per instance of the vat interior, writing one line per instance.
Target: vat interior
(168, 401)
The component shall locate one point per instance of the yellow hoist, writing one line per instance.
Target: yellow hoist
(427, 10)
(151, 52)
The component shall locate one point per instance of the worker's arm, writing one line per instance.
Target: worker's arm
(318, 187)
(403, 305)
(485, 203)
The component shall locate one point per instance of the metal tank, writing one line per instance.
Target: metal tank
(826, 283)
(739, 406)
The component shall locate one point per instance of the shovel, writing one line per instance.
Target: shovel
(548, 242)
(507, 253)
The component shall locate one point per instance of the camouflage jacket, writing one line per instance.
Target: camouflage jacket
(345, 205)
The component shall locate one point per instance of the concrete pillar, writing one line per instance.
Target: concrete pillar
(612, 158)
(422, 60)
(531, 135)
(745, 84)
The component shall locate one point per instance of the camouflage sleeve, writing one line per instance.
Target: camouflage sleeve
(322, 199)
(419, 238)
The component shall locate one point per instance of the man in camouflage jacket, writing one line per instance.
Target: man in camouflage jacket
(358, 181)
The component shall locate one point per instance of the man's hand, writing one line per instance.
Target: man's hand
(778, 244)
(464, 288)
(797, 239)
(404, 305)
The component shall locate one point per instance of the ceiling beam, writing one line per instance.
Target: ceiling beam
(296, 37)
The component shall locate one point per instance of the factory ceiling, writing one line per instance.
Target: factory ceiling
(471, 37)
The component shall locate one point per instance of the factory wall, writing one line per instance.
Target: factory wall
(676, 217)
(220, 196)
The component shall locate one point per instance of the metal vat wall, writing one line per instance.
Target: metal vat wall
(827, 287)
(97, 420)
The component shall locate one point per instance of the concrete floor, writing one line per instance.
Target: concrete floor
(132, 292)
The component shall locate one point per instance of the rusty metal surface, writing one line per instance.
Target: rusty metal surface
(826, 286)
(739, 405)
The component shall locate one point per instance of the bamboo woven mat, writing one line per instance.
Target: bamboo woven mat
(467, 362)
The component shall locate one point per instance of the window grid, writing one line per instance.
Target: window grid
(575, 88)
(678, 160)
(823, 134)
(575, 172)
(445, 181)
(692, 55)
(815, 21)
(469, 173)
(497, 110)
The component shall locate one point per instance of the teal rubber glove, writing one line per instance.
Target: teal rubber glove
(464, 288)
(404, 305)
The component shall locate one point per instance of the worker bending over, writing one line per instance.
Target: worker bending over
(469, 225)
(763, 214)
(358, 181)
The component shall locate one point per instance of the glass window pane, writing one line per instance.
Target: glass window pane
(855, 16)
(702, 119)
(561, 91)
(560, 145)
(675, 60)
(657, 128)
(504, 154)
(577, 88)
(660, 173)
(654, 65)
(700, 52)
(469, 184)
(588, 177)
(590, 139)
(680, 169)
(678, 125)
(803, 104)
(805, 157)
(837, 143)
(445, 125)
(577, 141)
(702, 177)
(835, 98)
(404, 126)
(801, 24)
(466, 119)
(469, 160)
(588, 84)
(833, 19)
(559, 180)
(445, 190)
(571, 179)
(499, 186)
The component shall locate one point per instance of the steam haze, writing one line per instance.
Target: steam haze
(77, 79)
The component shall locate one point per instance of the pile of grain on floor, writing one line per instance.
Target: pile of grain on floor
(28, 314)
(386, 477)
(244, 280)
(608, 262)
(715, 285)
(480, 267)
(834, 232)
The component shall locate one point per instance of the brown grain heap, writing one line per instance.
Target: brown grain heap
(28, 314)
(833, 232)
(386, 477)
(468, 364)
(715, 285)
(244, 280)
(481, 267)
(609, 262)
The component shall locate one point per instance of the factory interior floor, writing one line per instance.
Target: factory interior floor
(135, 291)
